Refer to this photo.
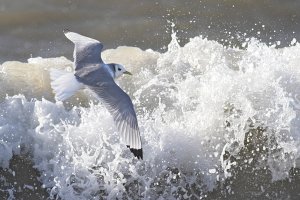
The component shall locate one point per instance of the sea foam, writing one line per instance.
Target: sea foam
(195, 104)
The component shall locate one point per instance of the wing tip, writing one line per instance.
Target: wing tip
(65, 31)
(138, 153)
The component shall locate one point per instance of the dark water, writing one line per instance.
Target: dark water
(31, 28)
(34, 28)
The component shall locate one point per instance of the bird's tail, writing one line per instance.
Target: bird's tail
(64, 84)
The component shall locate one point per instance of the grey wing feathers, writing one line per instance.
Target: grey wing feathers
(120, 106)
(86, 51)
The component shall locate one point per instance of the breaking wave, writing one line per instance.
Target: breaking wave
(207, 114)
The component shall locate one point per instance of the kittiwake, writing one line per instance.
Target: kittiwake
(91, 72)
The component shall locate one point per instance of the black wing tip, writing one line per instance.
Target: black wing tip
(65, 30)
(138, 153)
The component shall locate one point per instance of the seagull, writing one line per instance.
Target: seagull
(92, 73)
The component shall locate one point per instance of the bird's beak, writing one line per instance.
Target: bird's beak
(127, 72)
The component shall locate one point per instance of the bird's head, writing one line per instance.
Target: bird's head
(119, 70)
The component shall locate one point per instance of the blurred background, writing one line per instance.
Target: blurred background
(31, 28)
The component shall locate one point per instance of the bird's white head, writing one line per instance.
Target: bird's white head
(119, 70)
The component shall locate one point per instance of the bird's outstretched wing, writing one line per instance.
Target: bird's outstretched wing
(121, 108)
(87, 50)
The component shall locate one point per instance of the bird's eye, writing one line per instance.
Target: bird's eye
(119, 69)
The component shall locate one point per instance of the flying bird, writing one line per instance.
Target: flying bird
(91, 72)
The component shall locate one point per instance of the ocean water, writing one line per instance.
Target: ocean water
(211, 117)
(215, 86)
(32, 28)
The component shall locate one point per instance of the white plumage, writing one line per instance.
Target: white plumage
(64, 84)
(93, 73)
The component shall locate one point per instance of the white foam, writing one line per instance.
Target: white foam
(183, 99)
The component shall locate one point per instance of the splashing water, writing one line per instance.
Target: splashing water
(203, 109)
